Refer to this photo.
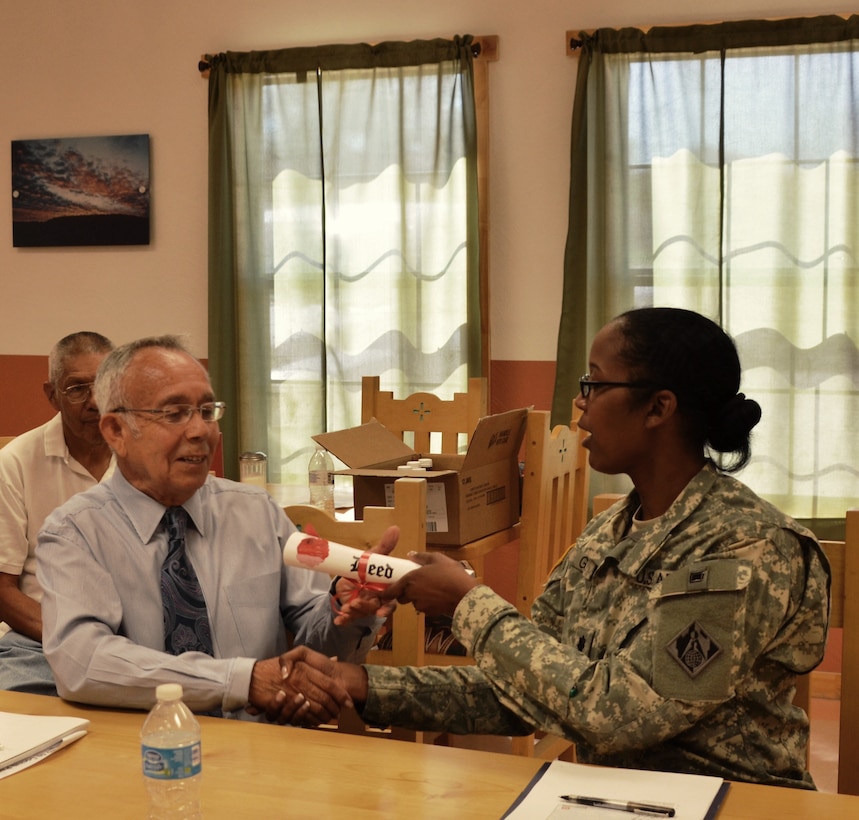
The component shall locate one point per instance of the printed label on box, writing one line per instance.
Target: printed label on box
(436, 506)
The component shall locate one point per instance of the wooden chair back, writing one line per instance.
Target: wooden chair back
(848, 750)
(554, 500)
(602, 501)
(407, 625)
(554, 513)
(409, 514)
(844, 614)
(424, 414)
(4, 440)
(424, 418)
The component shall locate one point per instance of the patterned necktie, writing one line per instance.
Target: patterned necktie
(186, 622)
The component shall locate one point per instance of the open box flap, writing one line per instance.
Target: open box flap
(366, 445)
(497, 438)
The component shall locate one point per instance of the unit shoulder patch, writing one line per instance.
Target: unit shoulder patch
(693, 648)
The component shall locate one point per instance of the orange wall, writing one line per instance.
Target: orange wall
(521, 384)
(23, 404)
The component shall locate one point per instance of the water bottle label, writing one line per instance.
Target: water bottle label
(172, 764)
(320, 478)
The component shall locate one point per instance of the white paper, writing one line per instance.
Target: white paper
(312, 552)
(27, 739)
(690, 795)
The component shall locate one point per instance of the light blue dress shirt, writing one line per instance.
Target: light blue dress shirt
(99, 564)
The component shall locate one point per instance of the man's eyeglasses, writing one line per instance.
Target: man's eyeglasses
(77, 393)
(181, 413)
(586, 384)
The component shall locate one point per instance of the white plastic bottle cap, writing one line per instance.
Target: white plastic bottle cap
(426, 463)
(168, 691)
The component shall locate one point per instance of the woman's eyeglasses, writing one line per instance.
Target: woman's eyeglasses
(586, 384)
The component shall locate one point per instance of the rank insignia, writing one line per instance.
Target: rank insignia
(693, 648)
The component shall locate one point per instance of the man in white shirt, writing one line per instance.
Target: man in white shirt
(39, 470)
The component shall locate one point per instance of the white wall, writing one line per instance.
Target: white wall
(107, 67)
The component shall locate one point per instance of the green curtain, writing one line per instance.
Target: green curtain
(713, 167)
(342, 236)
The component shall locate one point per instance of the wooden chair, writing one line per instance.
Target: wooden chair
(602, 501)
(408, 644)
(554, 501)
(844, 614)
(554, 512)
(421, 414)
(4, 440)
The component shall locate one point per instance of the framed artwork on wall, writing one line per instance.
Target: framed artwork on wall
(80, 191)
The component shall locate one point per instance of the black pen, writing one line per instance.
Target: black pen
(658, 809)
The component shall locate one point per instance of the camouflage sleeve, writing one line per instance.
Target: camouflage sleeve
(632, 697)
(455, 699)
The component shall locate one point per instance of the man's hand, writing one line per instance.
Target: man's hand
(302, 668)
(356, 601)
(436, 588)
(305, 699)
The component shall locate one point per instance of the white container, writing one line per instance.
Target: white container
(320, 480)
(172, 757)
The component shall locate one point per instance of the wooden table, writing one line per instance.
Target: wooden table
(267, 772)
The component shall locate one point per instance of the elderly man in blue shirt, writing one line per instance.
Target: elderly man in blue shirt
(111, 630)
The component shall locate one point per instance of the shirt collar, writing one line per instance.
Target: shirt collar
(632, 550)
(55, 441)
(145, 513)
(56, 447)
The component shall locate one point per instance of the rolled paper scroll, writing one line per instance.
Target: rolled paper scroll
(306, 550)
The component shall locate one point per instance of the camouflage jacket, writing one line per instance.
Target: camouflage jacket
(671, 646)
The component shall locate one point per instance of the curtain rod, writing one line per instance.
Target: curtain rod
(483, 48)
(574, 43)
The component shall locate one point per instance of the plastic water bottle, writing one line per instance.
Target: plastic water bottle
(320, 480)
(172, 762)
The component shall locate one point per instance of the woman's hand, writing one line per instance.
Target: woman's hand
(436, 588)
(360, 601)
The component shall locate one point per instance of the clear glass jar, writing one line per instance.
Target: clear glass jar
(253, 469)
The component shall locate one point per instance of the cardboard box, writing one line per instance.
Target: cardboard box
(468, 496)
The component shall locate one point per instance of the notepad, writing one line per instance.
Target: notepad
(693, 797)
(26, 738)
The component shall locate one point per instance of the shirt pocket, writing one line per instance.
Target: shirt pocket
(699, 633)
(255, 611)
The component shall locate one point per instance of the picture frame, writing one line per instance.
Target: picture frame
(78, 191)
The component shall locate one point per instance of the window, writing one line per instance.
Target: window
(724, 180)
(352, 200)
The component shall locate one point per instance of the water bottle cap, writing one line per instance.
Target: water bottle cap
(259, 456)
(169, 691)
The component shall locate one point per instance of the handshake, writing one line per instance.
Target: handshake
(303, 687)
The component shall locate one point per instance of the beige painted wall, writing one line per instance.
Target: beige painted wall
(105, 67)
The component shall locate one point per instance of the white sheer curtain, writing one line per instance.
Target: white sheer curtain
(352, 207)
(724, 180)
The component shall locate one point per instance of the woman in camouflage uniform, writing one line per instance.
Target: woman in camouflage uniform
(671, 634)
